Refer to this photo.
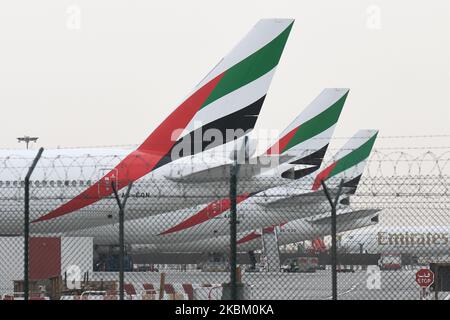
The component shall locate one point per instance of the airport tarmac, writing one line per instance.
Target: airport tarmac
(359, 285)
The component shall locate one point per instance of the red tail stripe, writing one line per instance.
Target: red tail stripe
(251, 236)
(323, 176)
(210, 211)
(279, 147)
(254, 235)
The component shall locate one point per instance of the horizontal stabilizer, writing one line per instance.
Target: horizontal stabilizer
(344, 216)
(215, 173)
(290, 198)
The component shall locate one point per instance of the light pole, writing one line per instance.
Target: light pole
(27, 139)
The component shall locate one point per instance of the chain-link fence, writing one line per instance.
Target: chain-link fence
(177, 239)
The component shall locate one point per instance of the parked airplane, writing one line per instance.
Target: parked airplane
(291, 232)
(73, 188)
(300, 199)
(388, 240)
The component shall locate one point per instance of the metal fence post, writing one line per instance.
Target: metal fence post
(26, 225)
(121, 235)
(333, 204)
(233, 229)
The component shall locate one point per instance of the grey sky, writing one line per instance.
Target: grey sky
(113, 80)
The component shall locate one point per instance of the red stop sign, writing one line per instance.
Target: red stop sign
(424, 278)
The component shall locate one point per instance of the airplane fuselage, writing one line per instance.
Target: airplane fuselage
(203, 222)
(291, 232)
(417, 241)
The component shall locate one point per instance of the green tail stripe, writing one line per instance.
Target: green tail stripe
(318, 124)
(353, 158)
(251, 68)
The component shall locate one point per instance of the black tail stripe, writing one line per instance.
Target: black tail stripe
(241, 121)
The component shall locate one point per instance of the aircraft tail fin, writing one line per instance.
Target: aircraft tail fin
(349, 162)
(305, 141)
(230, 97)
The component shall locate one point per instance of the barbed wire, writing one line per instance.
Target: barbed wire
(88, 166)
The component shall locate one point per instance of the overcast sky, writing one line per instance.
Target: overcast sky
(88, 73)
